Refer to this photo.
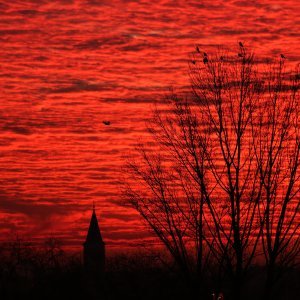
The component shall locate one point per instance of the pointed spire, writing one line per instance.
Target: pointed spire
(94, 235)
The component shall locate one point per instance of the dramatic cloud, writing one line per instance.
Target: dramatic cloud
(65, 66)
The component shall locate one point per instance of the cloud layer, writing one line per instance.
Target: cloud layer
(65, 66)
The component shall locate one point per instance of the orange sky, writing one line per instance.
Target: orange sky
(65, 66)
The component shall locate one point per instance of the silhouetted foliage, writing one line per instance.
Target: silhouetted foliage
(139, 275)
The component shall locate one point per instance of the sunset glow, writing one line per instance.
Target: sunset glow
(66, 66)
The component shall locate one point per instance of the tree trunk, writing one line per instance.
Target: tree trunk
(269, 282)
(238, 279)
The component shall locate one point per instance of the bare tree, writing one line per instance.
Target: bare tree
(53, 255)
(201, 184)
(277, 149)
(227, 90)
(168, 182)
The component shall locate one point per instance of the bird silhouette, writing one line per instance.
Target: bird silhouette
(241, 44)
(106, 123)
(282, 56)
(197, 49)
(193, 62)
(205, 60)
(205, 54)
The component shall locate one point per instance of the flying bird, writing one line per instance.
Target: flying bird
(106, 123)
(197, 49)
(205, 54)
(282, 56)
(241, 44)
(205, 59)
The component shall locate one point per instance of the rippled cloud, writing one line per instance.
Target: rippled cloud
(66, 66)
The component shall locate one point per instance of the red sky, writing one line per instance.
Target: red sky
(65, 66)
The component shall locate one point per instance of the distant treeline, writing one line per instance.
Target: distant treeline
(48, 272)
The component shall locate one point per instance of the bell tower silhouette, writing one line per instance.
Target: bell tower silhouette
(94, 248)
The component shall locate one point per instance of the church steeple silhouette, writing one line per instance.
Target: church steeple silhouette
(94, 248)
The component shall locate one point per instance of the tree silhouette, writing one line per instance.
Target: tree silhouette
(218, 181)
(277, 149)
